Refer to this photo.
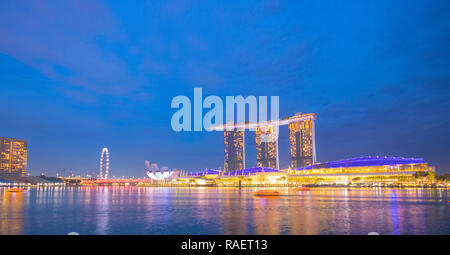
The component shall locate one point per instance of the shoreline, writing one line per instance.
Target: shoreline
(236, 186)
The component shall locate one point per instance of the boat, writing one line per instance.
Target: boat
(15, 190)
(265, 193)
(301, 188)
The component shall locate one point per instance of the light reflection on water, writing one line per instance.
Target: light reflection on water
(149, 210)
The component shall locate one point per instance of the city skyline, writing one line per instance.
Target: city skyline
(375, 75)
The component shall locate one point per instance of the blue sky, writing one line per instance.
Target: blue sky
(77, 76)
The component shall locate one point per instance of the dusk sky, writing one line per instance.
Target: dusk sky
(77, 76)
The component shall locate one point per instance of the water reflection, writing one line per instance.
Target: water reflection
(101, 203)
(148, 210)
(11, 213)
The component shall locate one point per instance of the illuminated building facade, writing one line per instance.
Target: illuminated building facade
(13, 156)
(267, 146)
(160, 174)
(365, 170)
(234, 150)
(362, 171)
(302, 140)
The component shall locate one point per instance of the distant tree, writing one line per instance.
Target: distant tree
(418, 175)
(356, 179)
(444, 177)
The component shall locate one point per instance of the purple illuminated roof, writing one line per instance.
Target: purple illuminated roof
(250, 171)
(247, 171)
(204, 172)
(365, 161)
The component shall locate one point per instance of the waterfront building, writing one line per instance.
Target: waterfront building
(252, 176)
(365, 170)
(13, 156)
(267, 146)
(160, 174)
(234, 150)
(252, 171)
(302, 140)
(207, 173)
(372, 170)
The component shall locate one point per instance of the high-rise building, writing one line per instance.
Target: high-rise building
(267, 146)
(13, 156)
(302, 140)
(234, 150)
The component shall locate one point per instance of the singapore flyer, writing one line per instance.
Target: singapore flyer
(104, 163)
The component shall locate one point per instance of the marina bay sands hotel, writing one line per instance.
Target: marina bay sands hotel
(301, 139)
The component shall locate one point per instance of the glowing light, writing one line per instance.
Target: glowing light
(162, 175)
(104, 152)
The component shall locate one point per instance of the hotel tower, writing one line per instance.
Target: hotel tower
(267, 146)
(302, 140)
(234, 150)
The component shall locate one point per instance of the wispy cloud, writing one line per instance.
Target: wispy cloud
(61, 40)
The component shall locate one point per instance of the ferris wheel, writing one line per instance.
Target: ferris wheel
(104, 162)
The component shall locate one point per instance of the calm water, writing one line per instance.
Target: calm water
(138, 210)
